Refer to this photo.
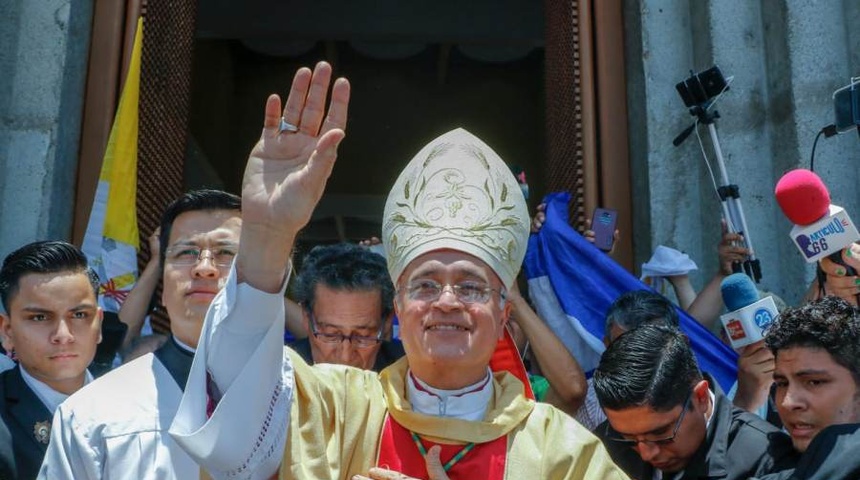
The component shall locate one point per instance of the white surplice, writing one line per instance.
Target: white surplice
(116, 429)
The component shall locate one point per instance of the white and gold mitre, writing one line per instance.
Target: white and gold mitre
(457, 194)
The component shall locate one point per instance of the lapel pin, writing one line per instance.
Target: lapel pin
(42, 431)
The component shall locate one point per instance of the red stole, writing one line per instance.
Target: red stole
(506, 357)
(398, 452)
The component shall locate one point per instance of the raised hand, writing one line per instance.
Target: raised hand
(287, 171)
(539, 218)
(155, 245)
(755, 375)
(838, 281)
(589, 235)
(728, 250)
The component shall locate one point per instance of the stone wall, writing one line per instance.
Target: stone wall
(786, 59)
(43, 60)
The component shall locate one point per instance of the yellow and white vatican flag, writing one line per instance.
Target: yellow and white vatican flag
(111, 240)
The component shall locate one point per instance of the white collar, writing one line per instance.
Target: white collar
(468, 403)
(713, 406)
(183, 346)
(49, 397)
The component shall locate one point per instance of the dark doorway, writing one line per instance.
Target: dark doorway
(413, 78)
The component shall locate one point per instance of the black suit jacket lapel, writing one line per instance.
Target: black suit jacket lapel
(31, 415)
(176, 360)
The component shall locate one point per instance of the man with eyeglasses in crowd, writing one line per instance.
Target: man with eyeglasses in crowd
(347, 305)
(667, 420)
(117, 427)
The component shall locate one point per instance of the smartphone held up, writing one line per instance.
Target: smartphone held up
(603, 224)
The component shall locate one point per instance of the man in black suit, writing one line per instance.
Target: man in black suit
(667, 420)
(346, 296)
(52, 324)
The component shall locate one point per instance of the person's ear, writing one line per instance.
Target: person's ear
(387, 326)
(5, 330)
(100, 315)
(306, 320)
(702, 394)
(397, 304)
(506, 315)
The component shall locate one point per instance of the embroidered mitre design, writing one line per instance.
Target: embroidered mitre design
(457, 194)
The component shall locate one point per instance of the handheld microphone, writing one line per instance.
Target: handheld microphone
(821, 229)
(748, 315)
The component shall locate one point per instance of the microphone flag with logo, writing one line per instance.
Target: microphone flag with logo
(820, 228)
(749, 316)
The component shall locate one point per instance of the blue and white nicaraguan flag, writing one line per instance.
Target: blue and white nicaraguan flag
(111, 240)
(572, 285)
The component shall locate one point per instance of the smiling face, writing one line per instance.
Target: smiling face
(189, 289)
(54, 325)
(813, 392)
(449, 343)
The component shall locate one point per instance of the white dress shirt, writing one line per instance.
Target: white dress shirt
(49, 397)
(6, 363)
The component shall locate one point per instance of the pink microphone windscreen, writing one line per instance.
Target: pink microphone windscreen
(802, 196)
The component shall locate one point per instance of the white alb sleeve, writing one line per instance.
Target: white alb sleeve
(241, 359)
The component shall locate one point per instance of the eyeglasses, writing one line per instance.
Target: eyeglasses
(466, 292)
(359, 341)
(655, 442)
(184, 255)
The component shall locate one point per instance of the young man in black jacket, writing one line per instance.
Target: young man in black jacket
(52, 323)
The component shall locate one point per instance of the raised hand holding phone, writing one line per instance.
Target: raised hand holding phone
(603, 222)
